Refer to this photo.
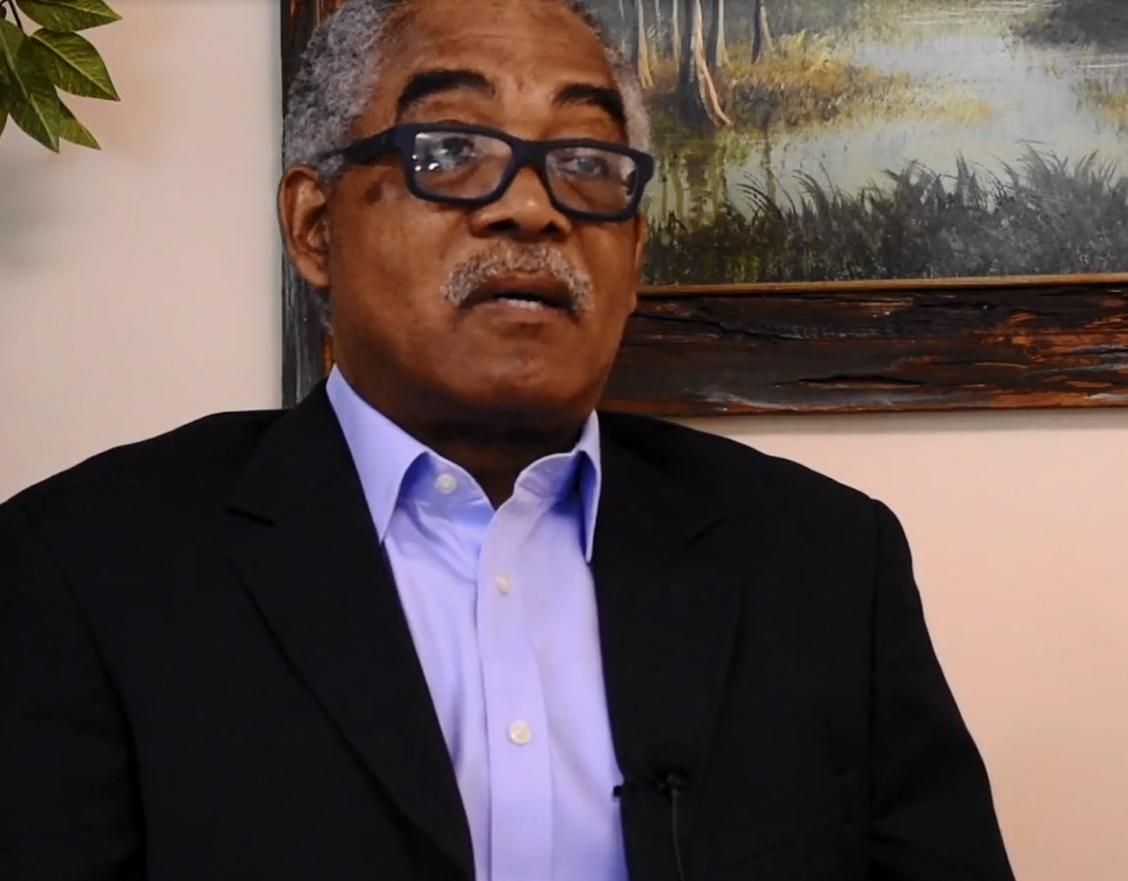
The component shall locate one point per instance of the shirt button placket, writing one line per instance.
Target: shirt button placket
(520, 773)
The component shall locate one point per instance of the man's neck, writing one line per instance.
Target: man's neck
(493, 445)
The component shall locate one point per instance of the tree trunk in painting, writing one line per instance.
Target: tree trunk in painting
(696, 87)
(657, 53)
(640, 46)
(675, 32)
(761, 32)
(718, 49)
(683, 24)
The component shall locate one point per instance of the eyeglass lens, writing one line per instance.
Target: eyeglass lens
(471, 166)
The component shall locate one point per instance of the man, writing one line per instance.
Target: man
(440, 621)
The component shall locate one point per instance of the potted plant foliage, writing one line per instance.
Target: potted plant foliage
(36, 63)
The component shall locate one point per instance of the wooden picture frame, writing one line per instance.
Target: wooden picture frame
(891, 345)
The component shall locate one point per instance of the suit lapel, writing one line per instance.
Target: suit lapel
(308, 553)
(668, 590)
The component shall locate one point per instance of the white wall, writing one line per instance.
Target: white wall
(138, 289)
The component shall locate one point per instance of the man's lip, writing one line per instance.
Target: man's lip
(546, 290)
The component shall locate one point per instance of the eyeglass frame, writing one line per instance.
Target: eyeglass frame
(525, 154)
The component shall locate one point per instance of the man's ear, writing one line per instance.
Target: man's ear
(303, 217)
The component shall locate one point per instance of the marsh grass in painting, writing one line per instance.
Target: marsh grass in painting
(839, 140)
(915, 224)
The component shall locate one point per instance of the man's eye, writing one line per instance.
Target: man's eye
(593, 165)
(445, 153)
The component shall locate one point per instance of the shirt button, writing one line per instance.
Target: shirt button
(504, 584)
(446, 484)
(520, 733)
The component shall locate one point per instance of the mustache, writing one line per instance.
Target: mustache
(504, 262)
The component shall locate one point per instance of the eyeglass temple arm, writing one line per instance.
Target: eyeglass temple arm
(364, 150)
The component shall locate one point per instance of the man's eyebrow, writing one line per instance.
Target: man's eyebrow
(431, 82)
(607, 99)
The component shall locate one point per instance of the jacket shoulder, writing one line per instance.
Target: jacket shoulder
(729, 471)
(191, 465)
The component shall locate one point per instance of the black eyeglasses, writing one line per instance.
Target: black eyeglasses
(473, 165)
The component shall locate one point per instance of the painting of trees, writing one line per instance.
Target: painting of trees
(694, 44)
(800, 113)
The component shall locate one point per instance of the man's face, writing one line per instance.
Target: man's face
(388, 257)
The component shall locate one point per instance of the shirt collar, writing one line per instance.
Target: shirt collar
(383, 453)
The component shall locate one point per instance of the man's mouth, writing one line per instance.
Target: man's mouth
(532, 295)
(522, 300)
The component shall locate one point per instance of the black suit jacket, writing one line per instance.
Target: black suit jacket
(206, 673)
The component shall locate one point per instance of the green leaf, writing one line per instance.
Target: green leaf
(68, 15)
(73, 64)
(33, 102)
(4, 89)
(11, 39)
(70, 129)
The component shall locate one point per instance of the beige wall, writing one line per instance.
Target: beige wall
(138, 289)
(138, 286)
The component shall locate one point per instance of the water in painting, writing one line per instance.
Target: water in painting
(833, 140)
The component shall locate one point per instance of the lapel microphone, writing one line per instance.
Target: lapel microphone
(669, 784)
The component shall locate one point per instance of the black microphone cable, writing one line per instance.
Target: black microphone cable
(671, 786)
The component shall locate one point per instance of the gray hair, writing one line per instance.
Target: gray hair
(341, 65)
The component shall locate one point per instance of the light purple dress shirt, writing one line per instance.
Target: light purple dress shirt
(501, 607)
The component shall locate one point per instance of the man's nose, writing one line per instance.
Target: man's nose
(524, 211)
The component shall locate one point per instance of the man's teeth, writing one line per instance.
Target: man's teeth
(521, 303)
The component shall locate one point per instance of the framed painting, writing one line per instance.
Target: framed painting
(863, 205)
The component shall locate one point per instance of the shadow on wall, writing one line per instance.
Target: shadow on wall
(26, 205)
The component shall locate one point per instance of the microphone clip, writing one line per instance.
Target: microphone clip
(672, 782)
(669, 783)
